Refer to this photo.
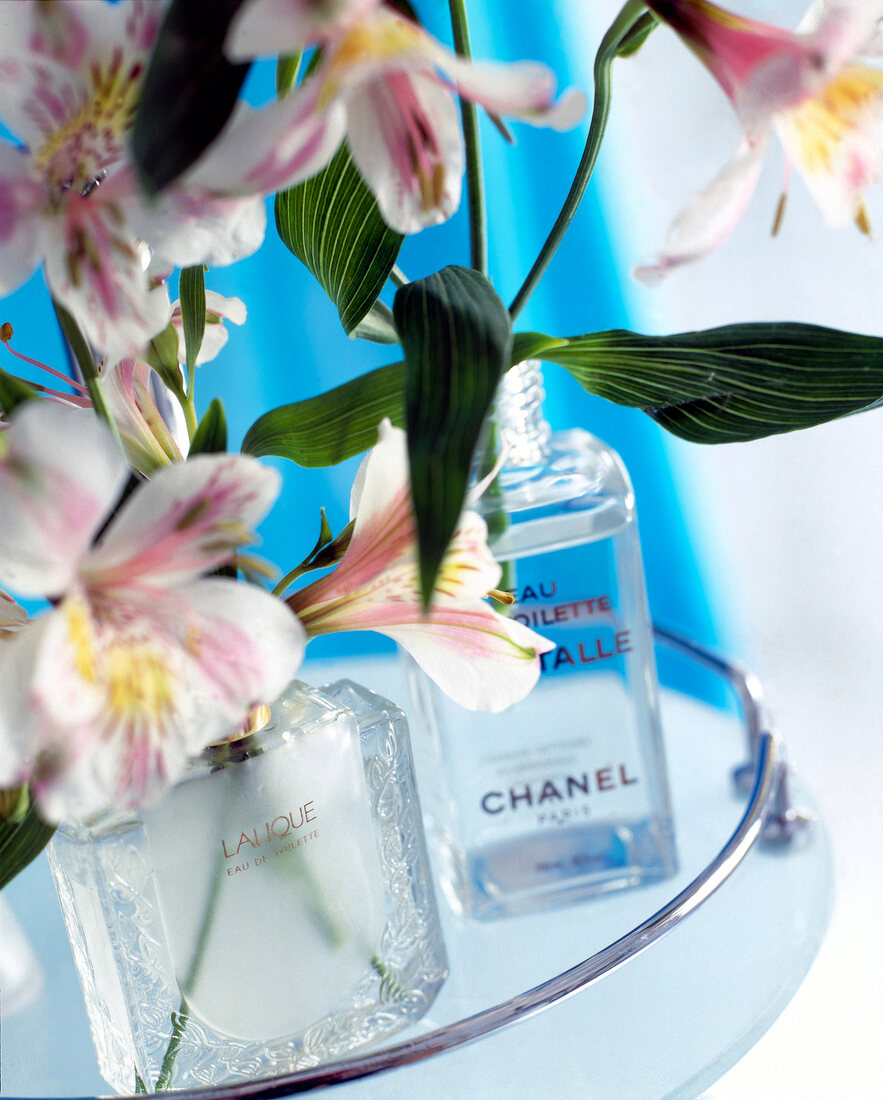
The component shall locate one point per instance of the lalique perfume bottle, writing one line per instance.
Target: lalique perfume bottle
(565, 794)
(274, 911)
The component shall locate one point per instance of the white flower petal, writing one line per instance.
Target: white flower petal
(20, 201)
(94, 267)
(709, 218)
(404, 134)
(187, 519)
(524, 90)
(18, 654)
(268, 150)
(189, 225)
(59, 477)
(480, 659)
(159, 679)
(218, 309)
(244, 646)
(264, 27)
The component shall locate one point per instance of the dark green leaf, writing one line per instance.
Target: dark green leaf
(211, 435)
(20, 842)
(191, 289)
(457, 337)
(725, 385)
(13, 392)
(189, 91)
(333, 225)
(334, 426)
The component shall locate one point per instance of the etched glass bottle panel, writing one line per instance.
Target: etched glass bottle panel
(565, 794)
(275, 910)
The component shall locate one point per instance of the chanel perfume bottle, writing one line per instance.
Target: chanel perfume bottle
(563, 795)
(274, 911)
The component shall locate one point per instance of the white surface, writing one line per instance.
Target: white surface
(790, 527)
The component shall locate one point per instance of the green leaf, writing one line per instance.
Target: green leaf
(191, 289)
(287, 68)
(334, 426)
(728, 384)
(637, 35)
(333, 225)
(162, 355)
(378, 325)
(189, 91)
(457, 337)
(21, 840)
(211, 435)
(13, 392)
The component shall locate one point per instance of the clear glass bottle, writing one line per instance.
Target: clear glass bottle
(274, 911)
(565, 794)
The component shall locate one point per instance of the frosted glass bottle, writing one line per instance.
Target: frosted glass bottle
(274, 911)
(565, 794)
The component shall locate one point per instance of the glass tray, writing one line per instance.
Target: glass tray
(673, 1002)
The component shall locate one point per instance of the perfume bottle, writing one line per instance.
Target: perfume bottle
(274, 911)
(563, 795)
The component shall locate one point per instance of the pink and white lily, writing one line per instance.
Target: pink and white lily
(390, 89)
(481, 659)
(142, 660)
(70, 77)
(813, 88)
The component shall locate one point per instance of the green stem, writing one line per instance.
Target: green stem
(398, 276)
(474, 176)
(179, 1022)
(188, 404)
(86, 363)
(622, 26)
(180, 1018)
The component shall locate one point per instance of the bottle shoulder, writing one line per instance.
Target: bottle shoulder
(579, 492)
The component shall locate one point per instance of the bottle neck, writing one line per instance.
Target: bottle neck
(516, 424)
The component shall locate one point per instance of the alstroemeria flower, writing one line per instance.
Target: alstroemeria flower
(142, 660)
(218, 309)
(70, 77)
(390, 88)
(147, 439)
(482, 659)
(256, 26)
(812, 88)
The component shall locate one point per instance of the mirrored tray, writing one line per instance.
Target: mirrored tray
(591, 1000)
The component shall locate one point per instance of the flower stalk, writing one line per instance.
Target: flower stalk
(472, 144)
(620, 31)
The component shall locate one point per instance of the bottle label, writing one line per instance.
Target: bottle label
(270, 883)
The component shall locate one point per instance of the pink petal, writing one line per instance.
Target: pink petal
(404, 133)
(268, 150)
(21, 199)
(709, 218)
(525, 90)
(188, 519)
(146, 438)
(96, 267)
(59, 477)
(174, 673)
